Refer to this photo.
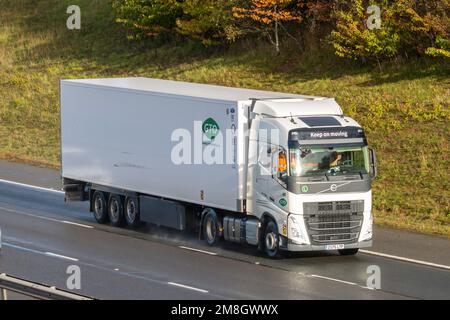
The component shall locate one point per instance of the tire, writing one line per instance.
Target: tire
(115, 210)
(271, 242)
(348, 252)
(131, 212)
(99, 207)
(211, 228)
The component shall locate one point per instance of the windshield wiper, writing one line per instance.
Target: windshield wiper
(350, 174)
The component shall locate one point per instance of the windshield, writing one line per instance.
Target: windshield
(310, 161)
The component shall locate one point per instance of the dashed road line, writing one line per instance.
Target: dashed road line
(389, 256)
(77, 224)
(187, 287)
(51, 254)
(339, 280)
(46, 218)
(198, 250)
(31, 186)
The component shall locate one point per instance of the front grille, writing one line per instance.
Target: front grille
(333, 222)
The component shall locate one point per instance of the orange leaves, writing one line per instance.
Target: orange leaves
(268, 11)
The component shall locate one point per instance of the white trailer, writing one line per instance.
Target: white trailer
(244, 165)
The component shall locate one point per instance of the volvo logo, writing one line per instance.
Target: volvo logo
(333, 187)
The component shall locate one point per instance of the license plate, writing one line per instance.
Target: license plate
(334, 246)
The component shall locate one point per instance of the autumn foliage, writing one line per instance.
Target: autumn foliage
(267, 11)
(408, 27)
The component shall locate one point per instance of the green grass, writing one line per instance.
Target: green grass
(404, 108)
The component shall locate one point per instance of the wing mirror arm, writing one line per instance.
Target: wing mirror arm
(373, 163)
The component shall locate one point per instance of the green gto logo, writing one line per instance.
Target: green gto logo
(283, 202)
(305, 189)
(210, 128)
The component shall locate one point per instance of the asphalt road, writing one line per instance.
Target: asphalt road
(42, 236)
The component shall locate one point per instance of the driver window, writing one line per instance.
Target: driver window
(279, 165)
(264, 159)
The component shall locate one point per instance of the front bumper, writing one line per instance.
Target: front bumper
(293, 247)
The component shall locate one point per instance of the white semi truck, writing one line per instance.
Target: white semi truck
(283, 172)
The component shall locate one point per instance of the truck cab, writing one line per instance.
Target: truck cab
(309, 179)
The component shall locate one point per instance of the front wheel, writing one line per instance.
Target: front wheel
(271, 240)
(348, 252)
(211, 228)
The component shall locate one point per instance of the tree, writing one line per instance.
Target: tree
(408, 27)
(440, 49)
(147, 18)
(268, 16)
(353, 39)
(210, 21)
(317, 12)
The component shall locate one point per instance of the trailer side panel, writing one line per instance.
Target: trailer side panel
(127, 139)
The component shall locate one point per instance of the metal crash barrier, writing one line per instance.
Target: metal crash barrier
(37, 291)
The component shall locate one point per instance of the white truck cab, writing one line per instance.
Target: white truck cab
(311, 174)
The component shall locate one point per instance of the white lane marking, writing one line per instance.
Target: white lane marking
(31, 186)
(45, 218)
(60, 256)
(425, 263)
(187, 287)
(29, 214)
(333, 279)
(51, 254)
(5, 244)
(338, 280)
(198, 250)
(77, 224)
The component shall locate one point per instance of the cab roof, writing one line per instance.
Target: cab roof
(280, 108)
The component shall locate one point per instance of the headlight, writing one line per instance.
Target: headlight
(367, 232)
(295, 232)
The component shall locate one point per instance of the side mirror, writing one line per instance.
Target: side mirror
(373, 163)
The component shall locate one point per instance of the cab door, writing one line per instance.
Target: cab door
(263, 171)
(277, 184)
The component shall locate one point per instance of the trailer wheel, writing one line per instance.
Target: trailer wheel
(212, 228)
(132, 216)
(271, 240)
(115, 210)
(99, 207)
(348, 252)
